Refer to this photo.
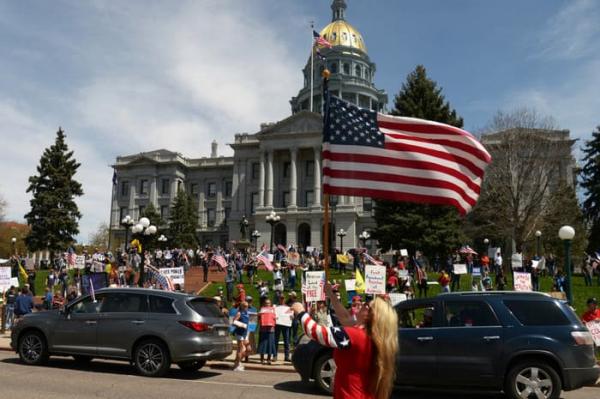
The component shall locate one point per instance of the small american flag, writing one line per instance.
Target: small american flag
(264, 258)
(165, 282)
(220, 260)
(71, 257)
(369, 154)
(282, 249)
(320, 40)
(372, 260)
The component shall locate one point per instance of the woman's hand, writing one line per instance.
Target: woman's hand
(329, 290)
(297, 307)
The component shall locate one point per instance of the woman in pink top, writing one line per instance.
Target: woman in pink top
(266, 335)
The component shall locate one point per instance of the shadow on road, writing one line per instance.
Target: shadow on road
(109, 367)
(412, 394)
(299, 387)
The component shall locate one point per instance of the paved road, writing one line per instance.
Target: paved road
(62, 378)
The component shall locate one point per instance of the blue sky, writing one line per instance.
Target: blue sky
(125, 77)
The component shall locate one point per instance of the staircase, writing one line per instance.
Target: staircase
(194, 278)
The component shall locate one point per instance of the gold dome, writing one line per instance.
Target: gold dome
(341, 33)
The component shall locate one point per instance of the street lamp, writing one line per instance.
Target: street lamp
(255, 236)
(341, 233)
(364, 236)
(272, 218)
(566, 233)
(127, 223)
(162, 239)
(14, 245)
(145, 230)
(538, 235)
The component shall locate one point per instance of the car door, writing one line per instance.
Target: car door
(417, 334)
(470, 344)
(76, 330)
(121, 322)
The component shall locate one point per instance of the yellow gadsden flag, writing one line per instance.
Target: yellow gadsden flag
(23, 273)
(343, 259)
(359, 286)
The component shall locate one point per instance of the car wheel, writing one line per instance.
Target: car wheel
(32, 348)
(151, 358)
(82, 359)
(533, 379)
(193, 365)
(325, 373)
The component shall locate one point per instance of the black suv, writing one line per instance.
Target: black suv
(525, 344)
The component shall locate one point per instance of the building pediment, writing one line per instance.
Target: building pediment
(301, 122)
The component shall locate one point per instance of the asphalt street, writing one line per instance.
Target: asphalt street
(62, 378)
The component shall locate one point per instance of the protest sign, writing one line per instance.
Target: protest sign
(403, 252)
(283, 315)
(535, 264)
(80, 261)
(460, 268)
(176, 274)
(477, 272)
(314, 282)
(397, 297)
(516, 261)
(374, 279)
(5, 278)
(492, 251)
(350, 284)
(522, 281)
(293, 258)
(14, 281)
(403, 273)
(594, 327)
(310, 249)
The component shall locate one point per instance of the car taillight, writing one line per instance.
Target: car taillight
(582, 337)
(194, 325)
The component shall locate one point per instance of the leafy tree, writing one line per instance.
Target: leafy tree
(590, 181)
(2, 208)
(54, 216)
(184, 221)
(434, 229)
(99, 238)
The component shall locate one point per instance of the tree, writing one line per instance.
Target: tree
(8, 231)
(184, 221)
(2, 208)
(54, 216)
(590, 181)
(434, 229)
(99, 238)
(527, 152)
(153, 215)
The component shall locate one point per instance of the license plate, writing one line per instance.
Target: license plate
(221, 333)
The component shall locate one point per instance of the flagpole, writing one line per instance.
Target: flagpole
(326, 253)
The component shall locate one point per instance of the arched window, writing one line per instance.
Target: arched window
(347, 69)
(333, 67)
(358, 71)
(333, 36)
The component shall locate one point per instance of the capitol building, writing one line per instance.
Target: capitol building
(277, 168)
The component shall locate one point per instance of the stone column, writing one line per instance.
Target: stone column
(133, 212)
(317, 177)
(153, 193)
(293, 178)
(269, 200)
(243, 182)
(201, 208)
(261, 181)
(219, 216)
(235, 187)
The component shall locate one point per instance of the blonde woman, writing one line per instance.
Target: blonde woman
(364, 349)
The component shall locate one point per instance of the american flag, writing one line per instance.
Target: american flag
(369, 154)
(282, 249)
(264, 258)
(220, 260)
(164, 281)
(71, 257)
(465, 249)
(320, 40)
(372, 260)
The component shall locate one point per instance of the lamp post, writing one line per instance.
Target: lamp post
(255, 236)
(272, 218)
(127, 223)
(145, 230)
(162, 239)
(14, 245)
(341, 233)
(566, 233)
(538, 236)
(364, 236)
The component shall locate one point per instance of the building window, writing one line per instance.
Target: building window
(286, 169)
(255, 170)
(125, 188)
(367, 204)
(253, 202)
(286, 198)
(194, 188)
(211, 190)
(228, 189)
(164, 212)
(142, 209)
(210, 217)
(164, 186)
(122, 213)
(333, 67)
(227, 212)
(309, 198)
(347, 69)
(143, 187)
(358, 71)
(179, 185)
(310, 168)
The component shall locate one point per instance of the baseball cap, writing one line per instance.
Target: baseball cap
(592, 300)
(248, 298)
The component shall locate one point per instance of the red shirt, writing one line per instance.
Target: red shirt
(355, 367)
(591, 315)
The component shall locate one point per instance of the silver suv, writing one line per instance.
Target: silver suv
(149, 328)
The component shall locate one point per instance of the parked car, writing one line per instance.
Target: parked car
(525, 344)
(149, 328)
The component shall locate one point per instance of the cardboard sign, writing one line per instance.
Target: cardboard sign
(477, 272)
(492, 251)
(403, 273)
(374, 279)
(535, 264)
(594, 327)
(283, 315)
(460, 268)
(14, 281)
(314, 283)
(80, 262)
(516, 261)
(396, 298)
(310, 249)
(175, 273)
(522, 281)
(403, 252)
(350, 284)
(293, 258)
(5, 278)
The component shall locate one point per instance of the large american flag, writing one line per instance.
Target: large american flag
(369, 154)
(320, 40)
(263, 257)
(220, 260)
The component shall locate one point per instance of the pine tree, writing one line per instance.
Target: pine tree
(153, 215)
(590, 181)
(183, 221)
(54, 215)
(434, 229)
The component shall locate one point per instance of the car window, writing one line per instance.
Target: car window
(160, 304)
(469, 314)
(205, 308)
(122, 302)
(537, 313)
(87, 305)
(421, 316)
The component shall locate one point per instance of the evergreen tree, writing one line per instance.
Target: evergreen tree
(184, 221)
(434, 229)
(54, 215)
(153, 215)
(590, 181)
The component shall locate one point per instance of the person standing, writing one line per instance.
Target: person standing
(9, 299)
(204, 264)
(266, 335)
(283, 326)
(592, 313)
(23, 303)
(444, 281)
(31, 280)
(240, 321)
